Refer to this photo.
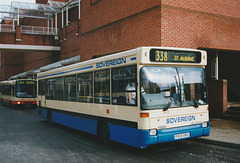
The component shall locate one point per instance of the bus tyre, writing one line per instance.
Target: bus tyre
(49, 116)
(103, 132)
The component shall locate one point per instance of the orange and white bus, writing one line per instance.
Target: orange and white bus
(16, 93)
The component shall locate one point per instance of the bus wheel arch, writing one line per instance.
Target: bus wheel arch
(103, 131)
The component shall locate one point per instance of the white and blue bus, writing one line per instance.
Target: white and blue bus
(139, 97)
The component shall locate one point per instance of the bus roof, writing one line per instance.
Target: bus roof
(116, 58)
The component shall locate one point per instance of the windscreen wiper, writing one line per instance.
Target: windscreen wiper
(168, 105)
(195, 103)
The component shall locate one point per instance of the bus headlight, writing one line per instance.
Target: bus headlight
(205, 124)
(18, 102)
(152, 132)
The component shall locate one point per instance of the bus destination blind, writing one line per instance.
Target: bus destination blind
(160, 55)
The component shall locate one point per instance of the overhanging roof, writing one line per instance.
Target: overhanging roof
(35, 10)
(47, 67)
(12, 47)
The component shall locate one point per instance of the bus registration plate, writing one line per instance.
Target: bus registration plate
(181, 136)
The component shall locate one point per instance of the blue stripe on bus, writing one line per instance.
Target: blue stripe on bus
(82, 124)
(133, 58)
(59, 73)
(124, 134)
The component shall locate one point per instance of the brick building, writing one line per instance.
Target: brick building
(107, 26)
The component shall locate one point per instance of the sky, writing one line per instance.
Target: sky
(8, 2)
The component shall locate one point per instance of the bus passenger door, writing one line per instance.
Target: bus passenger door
(43, 100)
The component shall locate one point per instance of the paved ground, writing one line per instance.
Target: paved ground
(224, 130)
(25, 137)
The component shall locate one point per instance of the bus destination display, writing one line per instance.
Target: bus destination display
(160, 55)
(27, 82)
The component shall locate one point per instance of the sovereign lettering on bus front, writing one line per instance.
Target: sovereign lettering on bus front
(181, 119)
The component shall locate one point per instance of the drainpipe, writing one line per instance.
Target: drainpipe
(216, 67)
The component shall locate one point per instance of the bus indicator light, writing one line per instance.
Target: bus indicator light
(107, 111)
(144, 115)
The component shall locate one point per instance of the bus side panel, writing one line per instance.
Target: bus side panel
(42, 112)
(131, 136)
(124, 134)
(79, 123)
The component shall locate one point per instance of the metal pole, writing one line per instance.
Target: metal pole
(216, 67)
(55, 23)
(48, 27)
(52, 25)
(13, 28)
(79, 9)
(62, 18)
(66, 15)
(18, 18)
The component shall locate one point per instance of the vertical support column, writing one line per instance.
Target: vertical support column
(62, 18)
(18, 33)
(0, 60)
(66, 15)
(56, 24)
(18, 17)
(48, 26)
(216, 66)
(13, 28)
(79, 9)
(52, 25)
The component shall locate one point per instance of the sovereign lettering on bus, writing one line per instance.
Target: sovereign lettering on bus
(113, 62)
(180, 119)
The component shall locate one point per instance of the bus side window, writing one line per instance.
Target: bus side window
(124, 85)
(102, 86)
(85, 87)
(70, 88)
(49, 92)
(58, 88)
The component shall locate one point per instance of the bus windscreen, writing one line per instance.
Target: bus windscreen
(26, 89)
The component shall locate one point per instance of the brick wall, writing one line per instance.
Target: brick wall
(11, 64)
(104, 12)
(229, 8)
(141, 29)
(108, 26)
(188, 28)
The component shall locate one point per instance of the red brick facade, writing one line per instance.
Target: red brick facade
(110, 26)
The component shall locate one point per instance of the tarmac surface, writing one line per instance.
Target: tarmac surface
(224, 131)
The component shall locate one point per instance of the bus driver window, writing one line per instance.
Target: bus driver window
(124, 82)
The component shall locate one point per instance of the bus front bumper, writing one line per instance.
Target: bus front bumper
(173, 134)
